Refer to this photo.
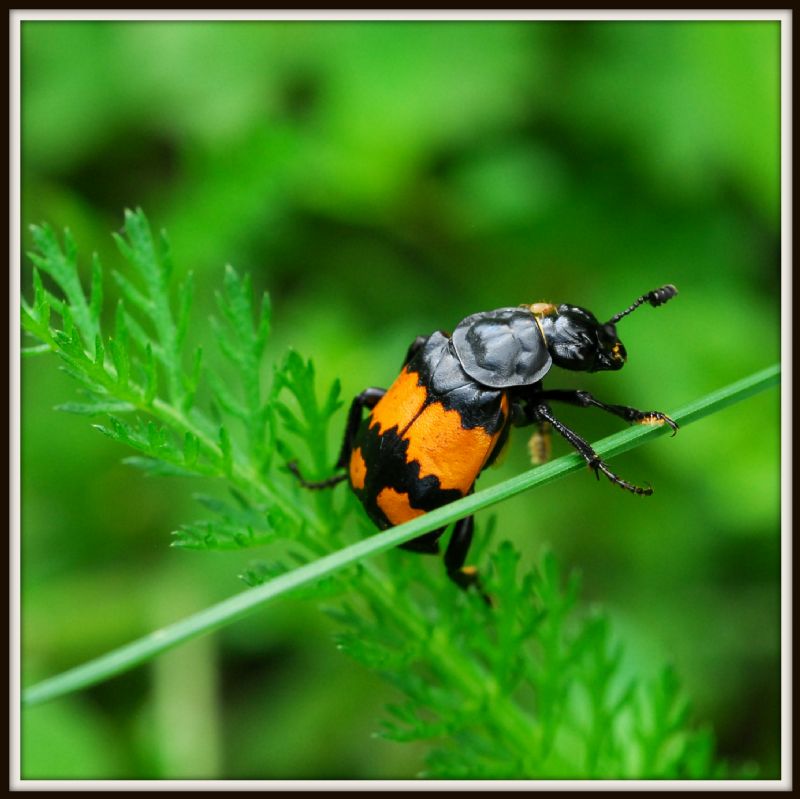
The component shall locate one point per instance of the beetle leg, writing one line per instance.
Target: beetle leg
(426, 544)
(456, 554)
(328, 482)
(416, 346)
(583, 399)
(542, 412)
(540, 444)
(523, 414)
(366, 399)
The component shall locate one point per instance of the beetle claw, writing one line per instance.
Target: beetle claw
(656, 417)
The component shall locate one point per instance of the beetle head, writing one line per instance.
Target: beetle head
(577, 340)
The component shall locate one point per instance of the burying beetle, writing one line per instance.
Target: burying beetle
(448, 414)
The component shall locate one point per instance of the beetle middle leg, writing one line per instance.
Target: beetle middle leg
(541, 412)
(583, 399)
(368, 398)
(540, 444)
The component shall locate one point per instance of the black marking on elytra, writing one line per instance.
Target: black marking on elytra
(389, 467)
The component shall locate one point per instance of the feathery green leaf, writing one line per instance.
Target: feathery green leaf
(531, 688)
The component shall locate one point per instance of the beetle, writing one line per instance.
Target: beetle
(448, 414)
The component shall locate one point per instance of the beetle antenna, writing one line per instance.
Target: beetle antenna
(655, 298)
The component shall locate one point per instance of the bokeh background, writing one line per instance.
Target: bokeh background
(383, 180)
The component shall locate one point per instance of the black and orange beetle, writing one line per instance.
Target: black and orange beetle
(449, 413)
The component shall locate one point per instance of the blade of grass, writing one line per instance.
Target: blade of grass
(242, 604)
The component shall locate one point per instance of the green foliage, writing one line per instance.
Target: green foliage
(140, 378)
(383, 180)
(532, 688)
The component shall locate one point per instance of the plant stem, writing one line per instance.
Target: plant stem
(242, 604)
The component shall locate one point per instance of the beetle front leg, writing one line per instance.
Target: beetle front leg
(541, 412)
(368, 398)
(583, 399)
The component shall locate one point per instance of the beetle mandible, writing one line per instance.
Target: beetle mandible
(449, 413)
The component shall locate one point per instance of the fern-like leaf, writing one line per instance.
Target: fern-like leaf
(532, 688)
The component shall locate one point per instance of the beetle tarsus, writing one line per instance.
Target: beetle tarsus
(318, 485)
(467, 577)
(599, 466)
(656, 417)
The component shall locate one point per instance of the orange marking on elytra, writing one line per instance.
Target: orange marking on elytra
(436, 440)
(444, 448)
(358, 469)
(396, 506)
(401, 403)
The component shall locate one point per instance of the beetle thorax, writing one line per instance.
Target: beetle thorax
(502, 348)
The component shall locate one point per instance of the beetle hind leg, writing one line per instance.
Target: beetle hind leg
(455, 557)
(427, 544)
(314, 485)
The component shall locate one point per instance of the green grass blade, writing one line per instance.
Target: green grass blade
(238, 606)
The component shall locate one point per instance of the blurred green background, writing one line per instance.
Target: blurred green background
(383, 180)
